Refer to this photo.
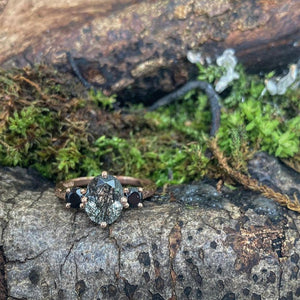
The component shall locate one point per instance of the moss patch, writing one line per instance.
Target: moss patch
(50, 123)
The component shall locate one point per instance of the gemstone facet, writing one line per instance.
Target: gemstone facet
(104, 194)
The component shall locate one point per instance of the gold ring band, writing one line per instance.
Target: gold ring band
(148, 185)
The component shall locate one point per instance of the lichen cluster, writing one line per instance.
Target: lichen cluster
(263, 121)
(48, 122)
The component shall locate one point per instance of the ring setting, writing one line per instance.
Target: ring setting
(104, 197)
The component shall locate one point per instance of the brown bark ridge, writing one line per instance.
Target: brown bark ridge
(191, 243)
(3, 286)
(139, 47)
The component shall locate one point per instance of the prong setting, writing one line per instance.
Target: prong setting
(123, 200)
(104, 174)
(103, 224)
(84, 199)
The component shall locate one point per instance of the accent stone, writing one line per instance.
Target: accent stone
(74, 198)
(134, 197)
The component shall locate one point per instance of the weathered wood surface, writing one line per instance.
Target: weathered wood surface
(141, 46)
(196, 244)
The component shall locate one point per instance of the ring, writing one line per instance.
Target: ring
(103, 197)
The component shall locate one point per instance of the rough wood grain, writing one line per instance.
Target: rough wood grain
(141, 46)
(203, 244)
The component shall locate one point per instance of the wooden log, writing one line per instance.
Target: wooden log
(192, 243)
(139, 47)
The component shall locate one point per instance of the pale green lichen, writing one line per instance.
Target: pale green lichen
(279, 85)
(194, 57)
(228, 61)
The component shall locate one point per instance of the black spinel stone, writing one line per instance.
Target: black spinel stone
(134, 199)
(73, 198)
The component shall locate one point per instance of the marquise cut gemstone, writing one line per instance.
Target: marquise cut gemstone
(104, 195)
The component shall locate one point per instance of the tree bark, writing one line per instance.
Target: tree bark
(139, 47)
(192, 243)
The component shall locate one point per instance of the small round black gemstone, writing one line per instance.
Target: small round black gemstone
(134, 199)
(73, 198)
(134, 196)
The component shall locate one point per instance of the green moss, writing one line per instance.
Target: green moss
(271, 121)
(103, 101)
(264, 125)
(49, 123)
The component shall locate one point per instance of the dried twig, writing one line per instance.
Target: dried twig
(35, 85)
(77, 72)
(251, 183)
(196, 84)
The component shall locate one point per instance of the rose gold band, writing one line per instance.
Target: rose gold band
(148, 186)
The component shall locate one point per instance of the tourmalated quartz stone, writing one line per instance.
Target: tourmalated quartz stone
(134, 197)
(74, 197)
(104, 195)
